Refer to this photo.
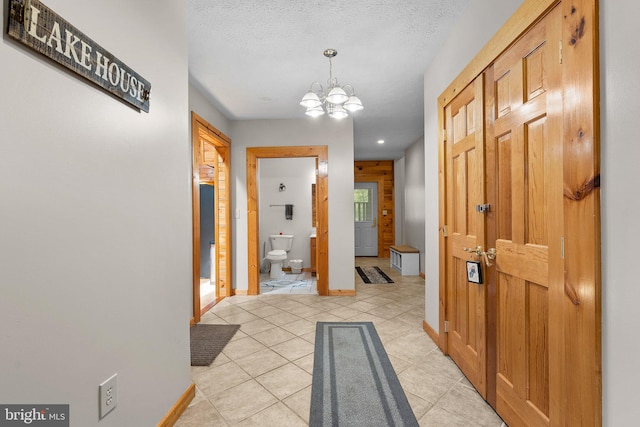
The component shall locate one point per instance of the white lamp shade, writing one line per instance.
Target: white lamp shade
(353, 104)
(310, 100)
(337, 95)
(314, 111)
(337, 112)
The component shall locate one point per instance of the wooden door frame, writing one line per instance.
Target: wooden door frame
(380, 181)
(203, 132)
(581, 304)
(320, 152)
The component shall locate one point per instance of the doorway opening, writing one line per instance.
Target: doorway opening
(211, 211)
(320, 153)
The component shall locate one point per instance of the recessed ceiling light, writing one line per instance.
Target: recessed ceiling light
(381, 141)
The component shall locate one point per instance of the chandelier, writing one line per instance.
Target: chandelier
(337, 103)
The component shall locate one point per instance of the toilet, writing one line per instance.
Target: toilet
(280, 245)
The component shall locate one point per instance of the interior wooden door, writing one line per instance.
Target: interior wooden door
(466, 301)
(525, 163)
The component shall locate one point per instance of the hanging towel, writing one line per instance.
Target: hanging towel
(288, 211)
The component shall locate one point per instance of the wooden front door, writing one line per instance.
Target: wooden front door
(524, 158)
(466, 301)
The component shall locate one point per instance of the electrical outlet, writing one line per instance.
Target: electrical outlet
(108, 395)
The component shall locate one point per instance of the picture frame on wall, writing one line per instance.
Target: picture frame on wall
(474, 272)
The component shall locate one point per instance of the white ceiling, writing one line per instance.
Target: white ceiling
(256, 59)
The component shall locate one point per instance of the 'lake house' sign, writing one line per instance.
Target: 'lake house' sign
(43, 30)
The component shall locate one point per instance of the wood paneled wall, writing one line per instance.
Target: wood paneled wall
(380, 171)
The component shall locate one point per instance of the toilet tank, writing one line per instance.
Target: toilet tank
(281, 241)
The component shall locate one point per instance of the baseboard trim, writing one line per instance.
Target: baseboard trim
(179, 407)
(342, 292)
(423, 276)
(430, 331)
(240, 292)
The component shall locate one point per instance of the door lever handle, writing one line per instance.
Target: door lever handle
(488, 256)
(477, 250)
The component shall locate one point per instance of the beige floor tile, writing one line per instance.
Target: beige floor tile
(203, 414)
(386, 312)
(242, 401)
(266, 311)
(325, 317)
(300, 403)
(285, 380)
(306, 363)
(410, 348)
(300, 327)
(239, 318)
(260, 362)
(273, 336)
(293, 349)
(256, 326)
(367, 317)
(304, 311)
(418, 405)
(438, 417)
(362, 306)
(220, 378)
(275, 415)
(467, 403)
(398, 364)
(242, 347)
(425, 383)
(282, 318)
(309, 337)
(345, 312)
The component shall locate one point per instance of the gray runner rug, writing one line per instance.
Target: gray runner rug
(354, 383)
(207, 341)
(373, 275)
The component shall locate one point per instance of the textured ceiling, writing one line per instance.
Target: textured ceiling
(255, 59)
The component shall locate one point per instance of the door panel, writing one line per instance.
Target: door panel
(466, 302)
(527, 111)
(365, 204)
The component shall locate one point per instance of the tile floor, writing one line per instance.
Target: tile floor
(289, 283)
(263, 376)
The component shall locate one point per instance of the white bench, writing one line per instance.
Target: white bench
(405, 259)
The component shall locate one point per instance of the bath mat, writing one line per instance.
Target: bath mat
(373, 275)
(207, 341)
(353, 382)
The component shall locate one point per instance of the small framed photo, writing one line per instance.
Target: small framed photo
(474, 274)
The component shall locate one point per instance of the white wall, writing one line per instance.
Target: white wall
(95, 223)
(297, 175)
(202, 107)
(620, 151)
(414, 201)
(338, 136)
(620, 60)
(398, 199)
(472, 31)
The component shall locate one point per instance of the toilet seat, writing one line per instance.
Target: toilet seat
(277, 255)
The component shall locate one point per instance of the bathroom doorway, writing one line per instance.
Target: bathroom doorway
(286, 208)
(320, 153)
(211, 167)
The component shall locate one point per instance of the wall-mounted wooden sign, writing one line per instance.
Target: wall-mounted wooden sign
(43, 30)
